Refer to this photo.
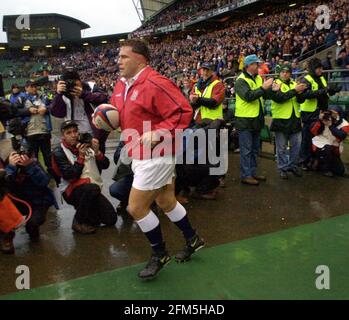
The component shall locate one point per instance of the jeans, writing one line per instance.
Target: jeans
(121, 189)
(249, 142)
(287, 161)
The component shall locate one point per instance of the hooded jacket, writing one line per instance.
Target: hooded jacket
(321, 94)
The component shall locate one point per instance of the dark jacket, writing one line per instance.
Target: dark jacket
(31, 185)
(91, 100)
(243, 89)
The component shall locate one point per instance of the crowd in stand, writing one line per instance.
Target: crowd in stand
(277, 36)
(273, 38)
(182, 11)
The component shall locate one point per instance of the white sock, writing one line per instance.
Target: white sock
(149, 222)
(177, 214)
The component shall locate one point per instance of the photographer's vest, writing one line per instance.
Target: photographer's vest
(90, 171)
(284, 110)
(207, 113)
(310, 105)
(245, 109)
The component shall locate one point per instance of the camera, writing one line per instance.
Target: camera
(85, 138)
(69, 84)
(327, 115)
(19, 143)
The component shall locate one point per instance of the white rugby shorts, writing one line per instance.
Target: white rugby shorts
(153, 174)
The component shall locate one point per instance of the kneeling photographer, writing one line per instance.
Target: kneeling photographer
(27, 181)
(78, 160)
(329, 133)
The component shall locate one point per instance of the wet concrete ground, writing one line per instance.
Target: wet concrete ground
(240, 212)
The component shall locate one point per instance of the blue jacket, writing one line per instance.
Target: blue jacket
(17, 98)
(31, 98)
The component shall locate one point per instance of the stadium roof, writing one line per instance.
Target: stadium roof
(147, 8)
(9, 18)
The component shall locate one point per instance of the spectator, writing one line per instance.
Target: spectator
(38, 124)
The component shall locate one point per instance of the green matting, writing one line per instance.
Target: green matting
(279, 265)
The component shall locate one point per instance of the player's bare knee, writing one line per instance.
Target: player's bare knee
(167, 203)
(137, 212)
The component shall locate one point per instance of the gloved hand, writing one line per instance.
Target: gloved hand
(334, 88)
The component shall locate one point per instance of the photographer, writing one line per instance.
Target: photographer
(329, 133)
(38, 124)
(72, 102)
(27, 181)
(78, 160)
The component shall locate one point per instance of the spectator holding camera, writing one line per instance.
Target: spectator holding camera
(27, 181)
(73, 102)
(329, 133)
(312, 100)
(38, 124)
(79, 163)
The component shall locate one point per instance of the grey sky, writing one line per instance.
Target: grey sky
(103, 16)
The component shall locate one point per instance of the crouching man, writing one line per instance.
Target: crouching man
(78, 161)
(329, 133)
(28, 182)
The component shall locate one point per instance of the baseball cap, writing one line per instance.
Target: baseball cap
(286, 67)
(67, 124)
(30, 83)
(206, 65)
(251, 59)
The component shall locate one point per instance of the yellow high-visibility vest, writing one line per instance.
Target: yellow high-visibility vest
(245, 109)
(207, 113)
(284, 110)
(310, 105)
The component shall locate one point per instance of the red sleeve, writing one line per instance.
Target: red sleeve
(315, 128)
(172, 105)
(218, 92)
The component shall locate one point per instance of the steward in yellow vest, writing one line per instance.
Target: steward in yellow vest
(312, 100)
(285, 108)
(316, 97)
(286, 121)
(207, 95)
(249, 113)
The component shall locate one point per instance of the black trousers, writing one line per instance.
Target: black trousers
(305, 153)
(38, 217)
(92, 207)
(42, 142)
(329, 160)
